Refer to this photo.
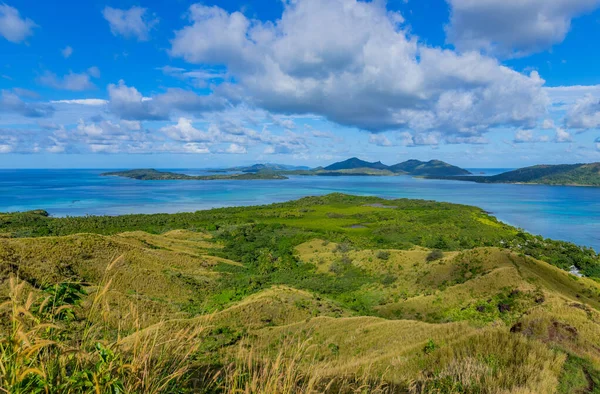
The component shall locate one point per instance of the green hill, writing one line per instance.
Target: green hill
(355, 163)
(432, 167)
(565, 174)
(410, 167)
(335, 294)
(155, 175)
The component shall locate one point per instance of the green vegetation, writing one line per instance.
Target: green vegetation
(410, 167)
(565, 174)
(154, 175)
(352, 166)
(295, 297)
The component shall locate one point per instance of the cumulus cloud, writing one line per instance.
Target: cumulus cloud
(72, 81)
(238, 138)
(25, 141)
(528, 136)
(128, 103)
(131, 23)
(11, 102)
(12, 26)
(103, 136)
(353, 63)
(379, 140)
(562, 136)
(236, 149)
(512, 27)
(584, 114)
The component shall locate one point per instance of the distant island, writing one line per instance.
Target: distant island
(563, 174)
(155, 175)
(353, 166)
(261, 168)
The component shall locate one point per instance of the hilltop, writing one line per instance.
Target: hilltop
(410, 167)
(564, 174)
(354, 163)
(323, 294)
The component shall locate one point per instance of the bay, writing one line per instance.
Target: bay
(558, 212)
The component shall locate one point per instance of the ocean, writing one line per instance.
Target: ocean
(558, 212)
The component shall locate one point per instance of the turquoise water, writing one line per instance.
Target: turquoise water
(566, 213)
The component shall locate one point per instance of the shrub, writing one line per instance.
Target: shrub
(435, 255)
(383, 255)
(344, 247)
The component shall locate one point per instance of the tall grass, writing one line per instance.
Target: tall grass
(43, 351)
(49, 346)
(288, 372)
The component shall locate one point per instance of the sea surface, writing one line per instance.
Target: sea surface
(558, 212)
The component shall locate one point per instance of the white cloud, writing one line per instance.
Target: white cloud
(548, 124)
(128, 103)
(570, 94)
(198, 78)
(12, 26)
(562, 136)
(102, 136)
(584, 114)
(528, 136)
(11, 102)
(236, 149)
(130, 23)
(379, 140)
(67, 52)
(72, 81)
(512, 27)
(185, 131)
(353, 63)
(427, 138)
(87, 102)
(26, 93)
(94, 71)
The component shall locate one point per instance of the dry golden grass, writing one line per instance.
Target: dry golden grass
(294, 341)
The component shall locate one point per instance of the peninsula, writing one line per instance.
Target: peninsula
(155, 175)
(563, 174)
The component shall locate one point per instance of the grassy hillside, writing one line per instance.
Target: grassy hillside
(334, 294)
(567, 174)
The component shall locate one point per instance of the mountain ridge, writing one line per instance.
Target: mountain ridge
(409, 167)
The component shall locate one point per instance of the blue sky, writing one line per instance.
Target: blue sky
(487, 83)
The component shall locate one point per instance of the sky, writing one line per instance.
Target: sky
(183, 84)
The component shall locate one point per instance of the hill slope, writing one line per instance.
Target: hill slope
(411, 167)
(326, 291)
(355, 163)
(432, 167)
(566, 174)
